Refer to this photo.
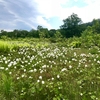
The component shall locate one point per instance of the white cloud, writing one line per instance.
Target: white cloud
(32, 12)
(91, 11)
(51, 8)
(21, 14)
(90, 1)
(43, 22)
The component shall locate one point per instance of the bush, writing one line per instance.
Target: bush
(75, 44)
(5, 38)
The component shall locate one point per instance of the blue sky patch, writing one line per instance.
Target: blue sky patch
(71, 3)
(55, 22)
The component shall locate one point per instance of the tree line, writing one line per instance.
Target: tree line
(72, 26)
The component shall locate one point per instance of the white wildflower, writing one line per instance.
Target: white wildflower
(10, 64)
(81, 94)
(58, 76)
(40, 77)
(43, 82)
(94, 59)
(38, 81)
(30, 77)
(17, 78)
(6, 69)
(44, 66)
(35, 70)
(24, 70)
(59, 87)
(98, 62)
(23, 75)
(14, 63)
(22, 66)
(15, 67)
(6, 62)
(29, 63)
(41, 71)
(10, 73)
(64, 69)
(31, 71)
(70, 66)
(74, 53)
(4, 58)
(1, 67)
(82, 55)
(85, 65)
(52, 78)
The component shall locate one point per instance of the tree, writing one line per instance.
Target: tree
(33, 33)
(43, 32)
(58, 34)
(71, 25)
(96, 25)
(52, 32)
(39, 27)
(71, 21)
(16, 33)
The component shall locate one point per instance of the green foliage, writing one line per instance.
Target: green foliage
(94, 50)
(89, 38)
(71, 21)
(75, 44)
(41, 70)
(87, 32)
(6, 86)
(57, 35)
(4, 46)
(51, 69)
(41, 34)
(7, 46)
(4, 37)
(71, 26)
(96, 26)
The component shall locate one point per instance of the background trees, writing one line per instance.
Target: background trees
(43, 32)
(71, 26)
(96, 25)
(71, 21)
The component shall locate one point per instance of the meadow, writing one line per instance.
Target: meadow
(38, 69)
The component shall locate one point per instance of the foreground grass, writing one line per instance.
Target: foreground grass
(50, 72)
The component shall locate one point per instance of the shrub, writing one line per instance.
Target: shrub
(75, 44)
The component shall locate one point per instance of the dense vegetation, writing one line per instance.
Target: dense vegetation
(44, 64)
(73, 26)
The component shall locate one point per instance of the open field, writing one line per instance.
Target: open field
(34, 70)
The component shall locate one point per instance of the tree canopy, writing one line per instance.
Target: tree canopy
(71, 21)
(72, 26)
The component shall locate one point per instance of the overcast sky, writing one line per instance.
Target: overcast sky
(28, 14)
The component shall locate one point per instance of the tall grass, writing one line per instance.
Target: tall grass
(4, 46)
(6, 86)
(7, 46)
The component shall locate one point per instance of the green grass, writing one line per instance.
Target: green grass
(4, 46)
(41, 70)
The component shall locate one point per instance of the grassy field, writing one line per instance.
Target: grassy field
(35, 69)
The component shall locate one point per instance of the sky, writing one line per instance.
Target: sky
(28, 14)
